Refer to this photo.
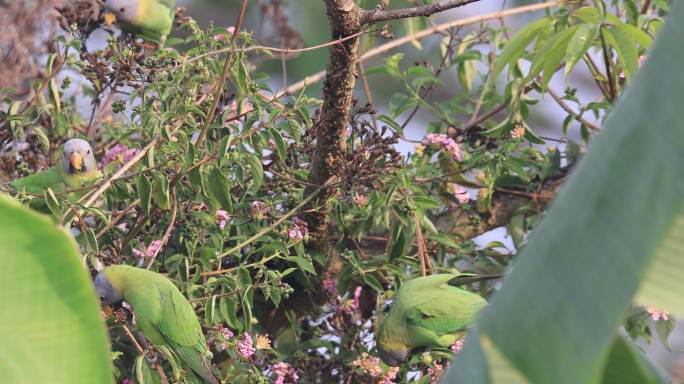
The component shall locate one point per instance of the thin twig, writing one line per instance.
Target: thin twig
(569, 110)
(318, 76)
(169, 228)
(277, 222)
(116, 219)
(606, 61)
(367, 90)
(429, 88)
(425, 265)
(285, 51)
(227, 64)
(141, 351)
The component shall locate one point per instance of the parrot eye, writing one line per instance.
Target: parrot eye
(122, 10)
(89, 151)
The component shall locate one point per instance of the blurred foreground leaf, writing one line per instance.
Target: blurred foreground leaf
(614, 228)
(50, 326)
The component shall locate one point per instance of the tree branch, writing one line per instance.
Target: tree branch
(375, 15)
(338, 90)
(505, 204)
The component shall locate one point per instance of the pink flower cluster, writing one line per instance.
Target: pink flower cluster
(151, 250)
(221, 218)
(330, 285)
(245, 347)
(221, 37)
(368, 364)
(360, 199)
(259, 210)
(518, 132)
(118, 152)
(657, 314)
(459, 192)
(457, 346)
(219, 336)
(389, 376)
(435, 372)
(299, 229)
(285, 374)
(446, 142)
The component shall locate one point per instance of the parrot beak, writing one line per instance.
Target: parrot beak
(109, 18)
(76, 161)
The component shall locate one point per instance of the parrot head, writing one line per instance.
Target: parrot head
(78, 157)
(391, 350)
(125, 10)
(107, 293)
(392, 355)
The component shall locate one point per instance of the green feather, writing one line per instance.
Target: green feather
(58, 180)
(428, 312)
(155, 20)
(165, 316)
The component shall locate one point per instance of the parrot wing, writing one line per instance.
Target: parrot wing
(181, 329)
(438, 320)
(171, 4)
(39, 182)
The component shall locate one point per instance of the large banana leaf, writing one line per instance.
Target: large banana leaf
(615, 230)
(50, 326)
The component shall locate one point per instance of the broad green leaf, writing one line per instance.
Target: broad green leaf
(581, 41)
(515, 47)
(663, 285)
(556, 54)
(628, 365)
(303, 264)
(217, 187)
(467, 69)
(588, 15)
(281, 148)
(144, 192)
(636, 34)
(626, 49)
(372, 282)
(555, 315)
(50, 323)
(160, 191)
(256, 170)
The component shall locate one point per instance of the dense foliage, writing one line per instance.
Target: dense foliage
(215, 192)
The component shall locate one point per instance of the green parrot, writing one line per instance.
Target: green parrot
(162, 313)
(427, 312)
(149, 19)
(77, 169)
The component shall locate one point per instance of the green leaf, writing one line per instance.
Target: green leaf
(626, 50)
(549, 56)
(217, 187)
(256, 170)
(281, 148)
(616, 220)
(372, 282)
(50, 325)
(636, 34)
(144, 192)
(160, 191)
(303, 264)
(628, 365)
(515, 47)
(581, 41)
